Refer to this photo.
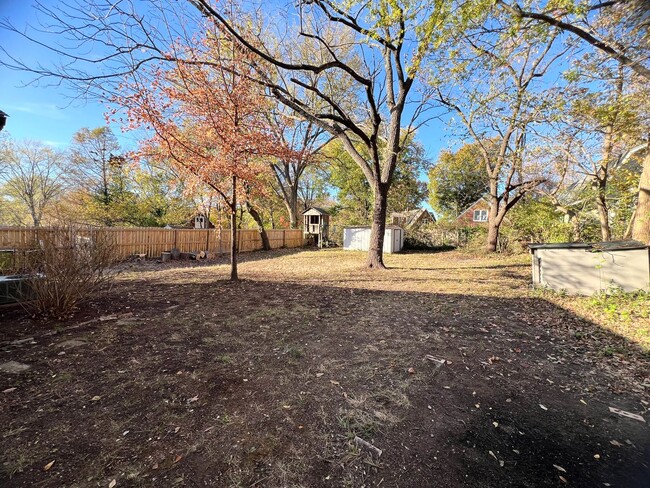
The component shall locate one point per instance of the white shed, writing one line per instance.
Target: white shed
(358, 238)
(585, 269)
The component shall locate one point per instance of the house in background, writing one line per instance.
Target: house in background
(412, 218)
(476, 214)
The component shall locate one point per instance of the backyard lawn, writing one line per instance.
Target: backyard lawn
(448, 363)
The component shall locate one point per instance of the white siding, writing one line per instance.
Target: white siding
(358, 239)
(580, 272)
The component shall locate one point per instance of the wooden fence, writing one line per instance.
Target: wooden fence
(152, 241)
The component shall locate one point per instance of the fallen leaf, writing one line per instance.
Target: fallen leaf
(318, 375)
(559, 468)
(176, 430)
(615, 443)
(335, 382)
(9, 390)
(411, 371)
(112, 484)
(542, 407)
(48, 466)
(563, 479)
(177, 458)
(193, 399)
(496, 424)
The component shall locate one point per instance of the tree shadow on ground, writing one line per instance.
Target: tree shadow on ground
(268, 383)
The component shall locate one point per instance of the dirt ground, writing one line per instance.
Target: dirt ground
(449, 364)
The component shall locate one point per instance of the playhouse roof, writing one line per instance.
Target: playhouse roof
(315, 211)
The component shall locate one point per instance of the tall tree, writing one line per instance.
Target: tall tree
(496, 92)
(91, 153)
(210, 123)
(32, 177)
(596, 130)
(457, 180)
(353, 193)
(620, 30)
(305, 140)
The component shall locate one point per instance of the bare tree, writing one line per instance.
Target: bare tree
(627, 15)
(92, 152)
(32, 177)
(305, 140)
(495, 96)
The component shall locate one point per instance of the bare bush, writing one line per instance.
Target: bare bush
(69, 265)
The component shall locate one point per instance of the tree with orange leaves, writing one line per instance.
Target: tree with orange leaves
(208, 119)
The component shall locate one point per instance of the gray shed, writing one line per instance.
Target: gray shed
(358, 238)
(588, 268)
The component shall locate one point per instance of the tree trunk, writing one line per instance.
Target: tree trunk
(494, 223)
(493, 237)
(292, 210)
(266, 245)
(375, 258)
(603, 217)
(233, 231)
(641, 226)
(293, 206)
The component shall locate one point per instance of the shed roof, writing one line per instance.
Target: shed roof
(315, 211)
(593, 246)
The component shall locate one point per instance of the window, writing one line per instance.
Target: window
(480, 215)
(313, 219)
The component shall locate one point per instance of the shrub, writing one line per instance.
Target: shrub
(68, 266)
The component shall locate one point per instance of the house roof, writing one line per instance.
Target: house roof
(593, 246)
(412, 216)
(463, 212)
(315, 211)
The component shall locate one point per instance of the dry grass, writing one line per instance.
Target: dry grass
(266, 382)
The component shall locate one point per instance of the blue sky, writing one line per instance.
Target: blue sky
(41, 111)
(49, 113)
